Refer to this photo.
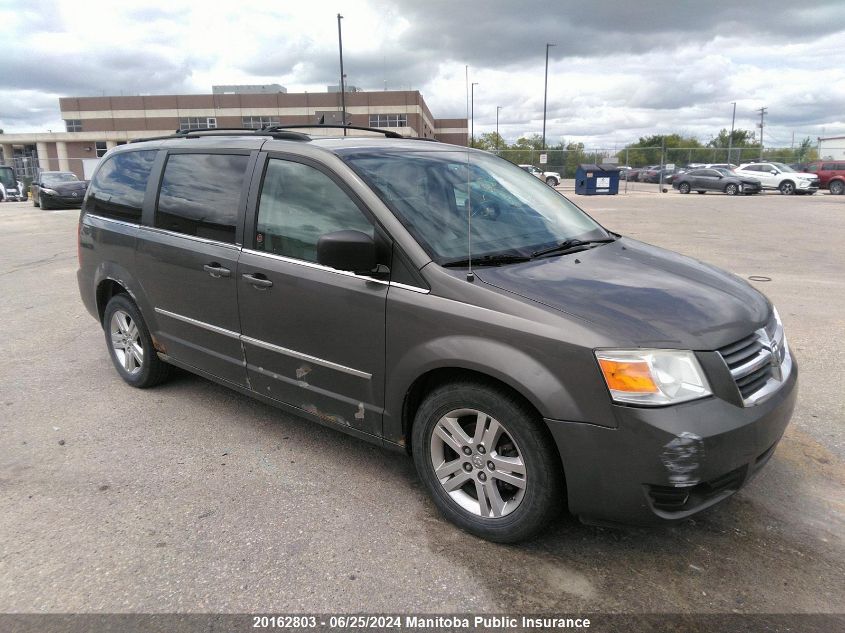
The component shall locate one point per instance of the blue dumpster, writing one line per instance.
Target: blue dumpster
(601, 180)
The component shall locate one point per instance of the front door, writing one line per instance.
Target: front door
(187, 261)
(313, 336)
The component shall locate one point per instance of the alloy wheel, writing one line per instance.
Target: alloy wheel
(478, 463)
(126, 342)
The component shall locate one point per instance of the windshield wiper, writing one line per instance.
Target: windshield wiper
(569, 246)
(488, 260)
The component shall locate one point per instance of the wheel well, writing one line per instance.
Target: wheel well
(105, 291)
(429, 381)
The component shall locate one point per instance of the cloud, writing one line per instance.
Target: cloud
(619, 70)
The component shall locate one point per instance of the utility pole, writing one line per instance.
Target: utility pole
(731, 137)
(342, 76)
(546, 93)
(472, 113)
(763, 112)
(497, 127)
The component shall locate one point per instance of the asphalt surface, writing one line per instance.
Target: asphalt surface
(190, 497)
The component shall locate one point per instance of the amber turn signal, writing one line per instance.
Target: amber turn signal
(628, 376)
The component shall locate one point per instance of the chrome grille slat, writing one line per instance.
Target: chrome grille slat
(752, 365)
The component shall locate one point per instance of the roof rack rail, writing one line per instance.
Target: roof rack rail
(387, 133)
(224, 131)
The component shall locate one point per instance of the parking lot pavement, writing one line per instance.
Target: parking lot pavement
(190, 497)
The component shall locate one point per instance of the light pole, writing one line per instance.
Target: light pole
(472, 113)
(342, 80)
(546, 93)
(497, 127)
(731, 137)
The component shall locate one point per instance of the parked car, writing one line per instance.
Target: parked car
(556, 364)
(724, 180)
(831, 175)
(11, 189)
(781, 177)
(57, 189)
(551, 178)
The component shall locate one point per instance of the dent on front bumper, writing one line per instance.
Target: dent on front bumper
(666, 464)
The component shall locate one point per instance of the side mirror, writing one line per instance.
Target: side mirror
(347, 250)
(774, 172)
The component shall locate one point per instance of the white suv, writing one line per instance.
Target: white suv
(551, 178)
(781, 177)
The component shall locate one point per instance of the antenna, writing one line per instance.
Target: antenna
(470, 274)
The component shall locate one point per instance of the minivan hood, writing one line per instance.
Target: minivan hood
(640, 294)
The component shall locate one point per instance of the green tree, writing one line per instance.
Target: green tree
(490, 141)
(648, 150)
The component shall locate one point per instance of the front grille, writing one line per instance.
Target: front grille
(755, 361)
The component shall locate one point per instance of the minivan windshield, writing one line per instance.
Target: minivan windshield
(439, 195)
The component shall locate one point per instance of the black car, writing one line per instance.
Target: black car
(717, 179)
(58, 189)
(545, 363)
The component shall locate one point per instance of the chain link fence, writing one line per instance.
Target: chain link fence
(566, 161)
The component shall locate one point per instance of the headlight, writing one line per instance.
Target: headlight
(49, 192)
(652, 377)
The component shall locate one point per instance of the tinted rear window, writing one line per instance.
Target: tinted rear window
(200, 195)
(117, 190)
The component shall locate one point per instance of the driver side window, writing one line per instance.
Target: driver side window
(298, 205)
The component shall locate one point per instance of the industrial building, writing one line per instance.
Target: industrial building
(93, 125)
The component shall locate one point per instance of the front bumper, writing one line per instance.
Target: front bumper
(807, 185)
(665, 464)
(63, 201)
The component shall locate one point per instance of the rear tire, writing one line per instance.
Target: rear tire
(684, 187)
(130, 344)
(487, 461)
(837, 187)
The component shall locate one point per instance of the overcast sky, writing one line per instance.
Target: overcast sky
(619, 70)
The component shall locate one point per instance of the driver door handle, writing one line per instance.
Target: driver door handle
(257, 282)
(216, 270)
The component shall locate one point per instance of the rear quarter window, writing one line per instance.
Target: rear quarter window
(117, 190)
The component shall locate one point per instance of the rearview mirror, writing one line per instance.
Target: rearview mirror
(347, 250)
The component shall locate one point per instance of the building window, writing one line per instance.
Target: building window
(101, 148)
(256, 122)
(388, 120)
(73, 125)
(197, 122)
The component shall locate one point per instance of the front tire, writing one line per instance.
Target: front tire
(551, 181)
(487, 461)
(44, 203)
(130, 344)
(684, 187)
(731, 189)
(787, 187)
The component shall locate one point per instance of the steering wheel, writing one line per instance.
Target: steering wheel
(486, 209)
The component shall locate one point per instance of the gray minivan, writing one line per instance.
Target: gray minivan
(441, 301)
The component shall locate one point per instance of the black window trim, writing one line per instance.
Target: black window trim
(157, 176)
(251, 218)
